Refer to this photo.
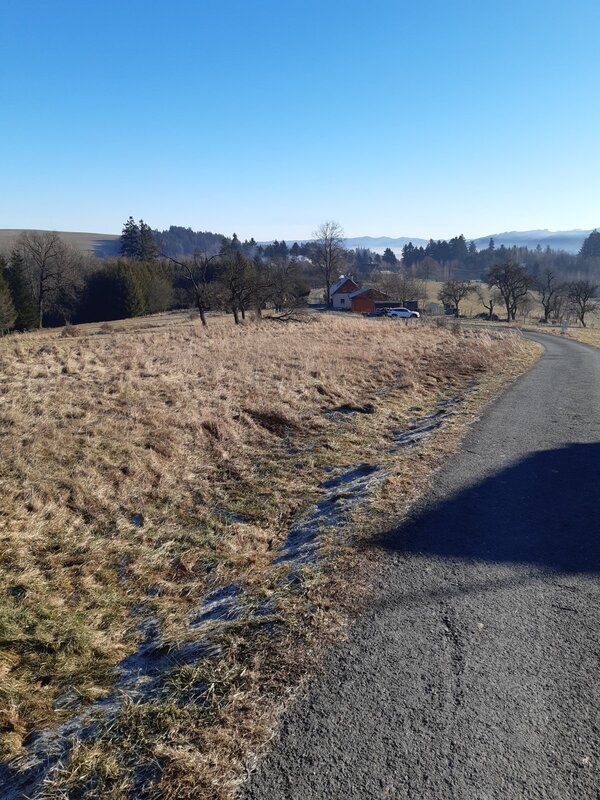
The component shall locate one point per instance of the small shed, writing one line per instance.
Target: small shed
(363, 300)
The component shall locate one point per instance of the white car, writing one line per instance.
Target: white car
(403, 313)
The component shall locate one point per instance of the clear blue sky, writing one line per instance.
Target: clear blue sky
(266, 117)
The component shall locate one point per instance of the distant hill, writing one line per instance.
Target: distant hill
(97, 244)
(175, 241)
(379, 243)
(570, 241)
(376, 243)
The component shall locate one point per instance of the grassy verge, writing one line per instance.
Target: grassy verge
(144, 469)
(589, 335)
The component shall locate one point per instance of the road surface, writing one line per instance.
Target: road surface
(474, 676)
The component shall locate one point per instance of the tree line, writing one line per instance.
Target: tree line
(459, 259)
(512, 287)
(438, 260)
(43, 281)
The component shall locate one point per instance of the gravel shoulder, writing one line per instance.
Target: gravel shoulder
(474, 672)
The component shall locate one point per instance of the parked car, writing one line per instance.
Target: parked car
(403, 313)
(486, 315)
(379, 312)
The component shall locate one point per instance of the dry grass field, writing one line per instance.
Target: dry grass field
(471, 306)
(142, 468)
(588, 335)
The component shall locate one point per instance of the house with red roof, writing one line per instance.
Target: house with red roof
(341, 291)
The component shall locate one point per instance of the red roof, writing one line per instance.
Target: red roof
(345, 285)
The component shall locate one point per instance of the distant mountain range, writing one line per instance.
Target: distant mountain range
(107, 244)
(570, 241)
(379, 243)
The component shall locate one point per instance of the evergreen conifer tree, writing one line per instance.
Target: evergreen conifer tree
(130, 239)
(591, 246)
(8, 313)
(389, 256)
(22, 296)
(131, 300)
(147, 244)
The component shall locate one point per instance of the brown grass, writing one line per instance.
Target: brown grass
(588, 335)
(177, 426)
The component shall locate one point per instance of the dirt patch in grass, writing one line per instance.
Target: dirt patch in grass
(142, 473)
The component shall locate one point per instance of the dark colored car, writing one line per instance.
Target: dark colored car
(485, 315)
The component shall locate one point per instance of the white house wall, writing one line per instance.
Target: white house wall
(342, 301)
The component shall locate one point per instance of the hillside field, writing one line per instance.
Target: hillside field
(97, 244)
(144, 469)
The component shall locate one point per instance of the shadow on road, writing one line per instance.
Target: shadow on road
(543, 511)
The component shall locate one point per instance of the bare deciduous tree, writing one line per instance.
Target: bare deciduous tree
(525, 306)
(49, 265)
(452, 292)
(549, 290)
(428, 269)
(513, 282)
(489, 300)
(400, 285)
(581, 296)
(328, 253)
(199, 271)
(283, 287)
(239, 283)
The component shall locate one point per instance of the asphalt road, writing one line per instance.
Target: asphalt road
(474, 676)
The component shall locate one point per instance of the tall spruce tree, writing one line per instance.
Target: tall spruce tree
(408, 254)
(147, 244)
(591, 246)
(130, 287)
(458, 248)
(130, 239)
(389, 257)
(8, 313)
(22, 294)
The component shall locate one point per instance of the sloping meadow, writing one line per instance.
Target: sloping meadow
(141, 474)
